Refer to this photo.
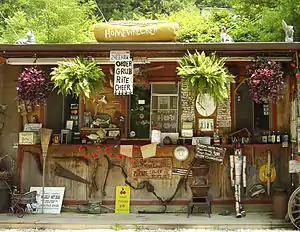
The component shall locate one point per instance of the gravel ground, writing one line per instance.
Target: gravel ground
(146, 230)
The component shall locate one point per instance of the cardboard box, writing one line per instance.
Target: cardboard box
(28, 138)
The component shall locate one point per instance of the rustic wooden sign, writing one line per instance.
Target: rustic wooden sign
(152, 168)
(212, 153)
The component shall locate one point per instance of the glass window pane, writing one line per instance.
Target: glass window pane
(164, 89)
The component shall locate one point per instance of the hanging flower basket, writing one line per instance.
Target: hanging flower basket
(34, 86)
(265, 80)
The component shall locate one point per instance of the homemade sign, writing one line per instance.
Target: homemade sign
(123, 79)
(119, 55)
(294, 166)
(187, 107)
(122, 203)
(53, 197)
(152, 168)
(122, 31)
(224, 114)
(210, 152)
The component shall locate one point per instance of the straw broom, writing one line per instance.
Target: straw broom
(45, 139)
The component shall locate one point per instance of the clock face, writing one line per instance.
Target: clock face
(181, 153)
(205, 105)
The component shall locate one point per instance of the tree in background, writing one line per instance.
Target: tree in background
(132, 9)
(266, 17)
(52, 21)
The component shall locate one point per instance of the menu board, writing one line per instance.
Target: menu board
(224, 113)
(187, 105)
(212, 153)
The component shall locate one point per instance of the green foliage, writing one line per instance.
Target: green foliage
(266, 17)
(130, 9)
(205, 74)
(52, 21)
(78, 76)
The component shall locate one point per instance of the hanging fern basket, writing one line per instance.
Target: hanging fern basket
(205, 75)
(77, 77)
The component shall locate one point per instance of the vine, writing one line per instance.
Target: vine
(140, 185)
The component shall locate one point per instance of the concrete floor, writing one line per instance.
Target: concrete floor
(68, 220)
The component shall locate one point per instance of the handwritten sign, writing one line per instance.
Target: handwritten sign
(119, 55)
(122, 203)
(294, 166)
(224, 114)
(123, 79)
(187, 106)
(53, 197)
(152, 168)
(208, 152)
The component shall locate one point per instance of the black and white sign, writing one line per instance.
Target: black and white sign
(119, 55)
(53, 197)
(208, 152)
(123, 79)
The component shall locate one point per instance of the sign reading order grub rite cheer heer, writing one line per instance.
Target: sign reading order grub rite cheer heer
(123, 79)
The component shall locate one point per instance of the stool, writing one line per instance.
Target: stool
(199, 201)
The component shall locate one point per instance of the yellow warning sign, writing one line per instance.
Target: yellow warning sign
(122, 204)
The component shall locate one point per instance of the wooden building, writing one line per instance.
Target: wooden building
(158, 99)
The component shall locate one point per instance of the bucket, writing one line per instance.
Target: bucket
(4, 197)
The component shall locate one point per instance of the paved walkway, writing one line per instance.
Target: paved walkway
(140, 221)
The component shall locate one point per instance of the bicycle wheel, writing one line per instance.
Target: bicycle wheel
(294, 208)
(20, 212)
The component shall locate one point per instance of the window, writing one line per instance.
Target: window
(164, 107)
(248, 114)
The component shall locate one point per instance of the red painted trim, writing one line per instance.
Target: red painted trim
(274, 117)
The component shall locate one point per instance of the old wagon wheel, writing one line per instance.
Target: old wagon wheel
(20, 212)
(294, 208)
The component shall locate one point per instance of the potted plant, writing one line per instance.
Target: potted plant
(265, 80)
(205, 75)
(78, 77)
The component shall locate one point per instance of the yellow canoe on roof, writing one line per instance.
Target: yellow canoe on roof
(130, 31)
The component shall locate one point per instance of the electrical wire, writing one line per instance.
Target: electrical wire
(100, 11)
(9, 24)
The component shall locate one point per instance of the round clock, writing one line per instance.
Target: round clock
(181, 153)
(205, 105)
